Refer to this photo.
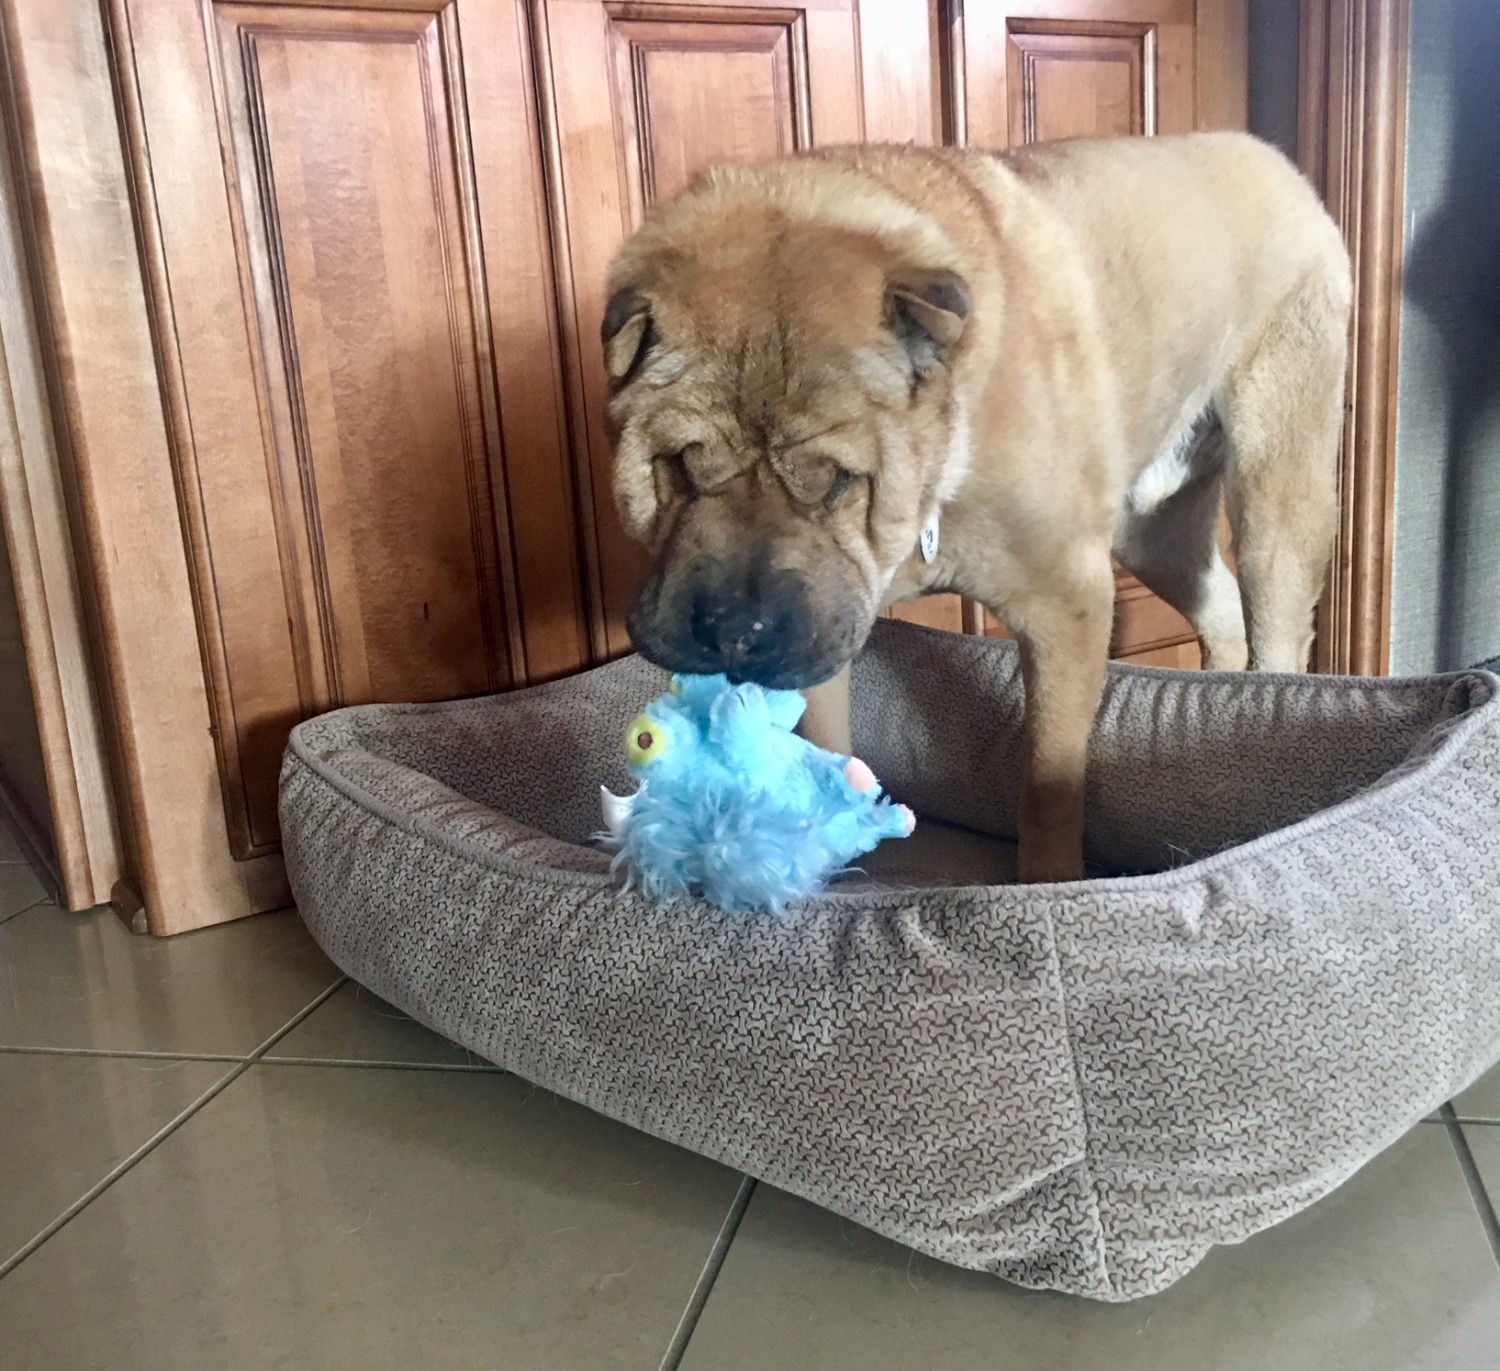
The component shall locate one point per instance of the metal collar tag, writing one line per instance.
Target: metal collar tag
(927, 544)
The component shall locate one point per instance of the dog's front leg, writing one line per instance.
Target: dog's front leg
(826, 722)
(1064, 636)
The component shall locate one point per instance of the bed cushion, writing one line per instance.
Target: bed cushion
(1288, 952)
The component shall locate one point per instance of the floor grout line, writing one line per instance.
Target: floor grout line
(1477, 1191)
(25, 909)
(149, 1055)
(318, 1000)
(472, 1068)
(122, 1166)
(154, 1054)
(703, 1286)
(260, 1054)
(166, 1131)
(126, 1053)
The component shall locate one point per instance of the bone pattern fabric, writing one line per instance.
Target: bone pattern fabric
(1079, 1087)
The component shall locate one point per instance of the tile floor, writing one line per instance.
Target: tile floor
(216, 1154)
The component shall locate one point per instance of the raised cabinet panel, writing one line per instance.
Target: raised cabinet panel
(1144, 622)
(1094, 79)
(353, 283)
(642, 97)
(694, 104)
(1073, 68)
(365, 309)
(1182, 655)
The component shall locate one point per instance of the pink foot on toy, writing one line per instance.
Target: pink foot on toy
(911, 819)
(859, 775)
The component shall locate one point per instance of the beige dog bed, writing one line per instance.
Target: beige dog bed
(1081, 1087)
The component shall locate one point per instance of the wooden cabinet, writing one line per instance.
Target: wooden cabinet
(325, 279)
(355, 304)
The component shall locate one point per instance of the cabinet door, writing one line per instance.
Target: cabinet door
(643, 96)
(1040, 69)
(347, 241)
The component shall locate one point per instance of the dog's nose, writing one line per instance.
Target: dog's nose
(754, 631)
(732, 635)
(754, 624)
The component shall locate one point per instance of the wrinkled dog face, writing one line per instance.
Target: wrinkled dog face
(782, 413)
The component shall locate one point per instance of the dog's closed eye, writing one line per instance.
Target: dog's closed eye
(696, 469)
(669, 470)
(843, 482)
(817, 484)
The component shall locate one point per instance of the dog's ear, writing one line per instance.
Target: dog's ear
(627, 333)
(927, 311)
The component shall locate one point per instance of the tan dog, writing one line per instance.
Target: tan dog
(867, 374)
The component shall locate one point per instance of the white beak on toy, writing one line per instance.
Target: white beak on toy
(616, 811)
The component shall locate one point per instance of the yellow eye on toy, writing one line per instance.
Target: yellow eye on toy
(675, 688)
(645, 740)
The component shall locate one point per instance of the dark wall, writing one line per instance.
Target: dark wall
(1274, 39)
(1447, 540)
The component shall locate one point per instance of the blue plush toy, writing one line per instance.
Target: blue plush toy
(736, 807)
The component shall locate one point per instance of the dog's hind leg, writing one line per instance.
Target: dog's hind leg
(1282, 409)
(1169, 538)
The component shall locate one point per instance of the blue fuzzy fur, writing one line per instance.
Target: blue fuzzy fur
(738, 808)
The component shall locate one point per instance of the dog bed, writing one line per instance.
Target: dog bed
(1289, 955)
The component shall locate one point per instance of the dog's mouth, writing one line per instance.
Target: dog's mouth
(764, 632)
